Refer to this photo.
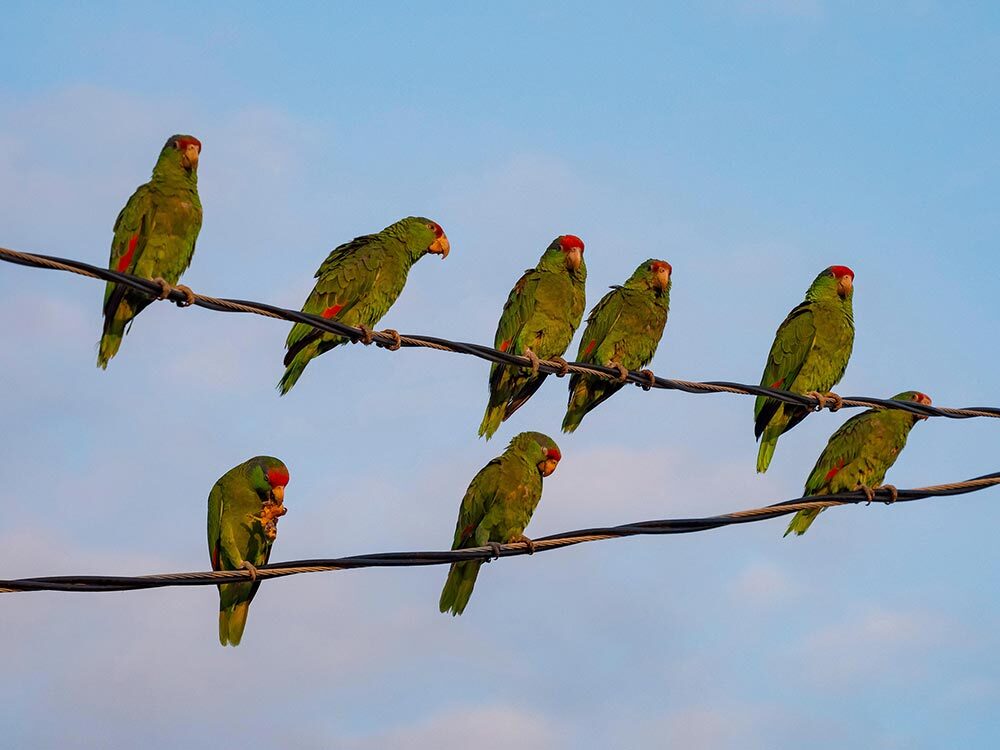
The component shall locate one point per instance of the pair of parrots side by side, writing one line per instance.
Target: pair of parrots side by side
(542, 313)
(155, 235)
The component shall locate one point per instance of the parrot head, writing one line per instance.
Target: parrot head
(837, 280)
(541, 449)
(651, 274)
(571, 247)
(660, 271)
(268, 476)
(916, 397)
(182, 150)
(432, 237)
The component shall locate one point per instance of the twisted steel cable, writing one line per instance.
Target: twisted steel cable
(92, 583)
(392, 340)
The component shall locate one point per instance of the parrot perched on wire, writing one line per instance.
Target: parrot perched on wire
(358, 283)
(154, 237)
(497, 507)
(541, 315)
(809, 355)
(623, 331)
(859, 454)
(243, 511)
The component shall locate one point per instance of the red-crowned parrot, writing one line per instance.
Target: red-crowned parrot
(623, 330)
(243, 511)
(809, 355)
(859, 454)
(358, 283)
(154, 237)
(497, 507)
(542, 313)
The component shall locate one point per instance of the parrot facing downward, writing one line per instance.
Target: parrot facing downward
(623, 330)
(541, 315)
(243, 511)
(497, 507)
(859, 454)
(358, 283)
(154, 236)
(809, 355)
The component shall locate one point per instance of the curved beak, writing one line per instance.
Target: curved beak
(547, 466)
(845, 286)
(574, 257)
(661, 280)
(923, 398)
(189, 159)
(440, 246)
(278, 493)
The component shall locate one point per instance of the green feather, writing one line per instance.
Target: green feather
(810, 353)
(154, 236)
(542, 313)
(356, 285)
(496, 508)
(624, 328)
(859, 453)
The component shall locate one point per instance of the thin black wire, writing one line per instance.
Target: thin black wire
(384, 339)
(91, 583)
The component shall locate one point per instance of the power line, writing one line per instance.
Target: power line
(542, 544)
(390, 339)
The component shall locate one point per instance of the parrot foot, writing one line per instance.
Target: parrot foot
(893, 493)
(366, 335)
(652, 380)
(622, 370)
(822, 398)
(397, 342)
(189, 296)
(495, 549)
(869, 492)
(165, 288)
(529, 543)
(532, 358)
(247, 565)
(563, 366)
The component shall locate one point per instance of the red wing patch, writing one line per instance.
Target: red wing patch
(590, 347)
(835, 470)
(778, 383)
(215, 557)
(331, 311)
(504, 346)
(126, 260)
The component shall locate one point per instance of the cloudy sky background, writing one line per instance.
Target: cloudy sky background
(751, 144)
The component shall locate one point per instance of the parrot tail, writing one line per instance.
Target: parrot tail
(491, 420)
(458, 588)
(111, 337)
(764, 454)
(292, 373)
(232, 620)
(802, 520)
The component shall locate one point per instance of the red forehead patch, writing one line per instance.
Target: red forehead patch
(922, 398)
(841, 271)
(183, 143)
(571, 242)
(660, 265)
(554, 454)
(277, 476)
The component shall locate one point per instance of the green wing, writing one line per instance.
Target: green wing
(215, 526)
(792, 344)
(131, 234)
(478, 500)
(344, 279)
(597, 346)
(845, 448)
(516, 312)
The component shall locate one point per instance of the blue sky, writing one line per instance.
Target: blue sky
(751, 144)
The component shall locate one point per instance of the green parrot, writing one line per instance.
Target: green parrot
(809, 355)
(243, 511)
(542, 313)
(154, 237)
(358, 283)
(623, 330)
(859, 454)
(497, 507)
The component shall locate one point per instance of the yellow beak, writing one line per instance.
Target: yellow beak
(440, 246)
(573, 258)
(189, 159)
(547, 466)
(845, 285)
(279, 494)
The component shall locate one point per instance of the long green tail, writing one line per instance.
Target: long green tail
(114, 330)
(492, 420)
(458, 588)
(232, 620)
(801, 521)
(292, 373)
